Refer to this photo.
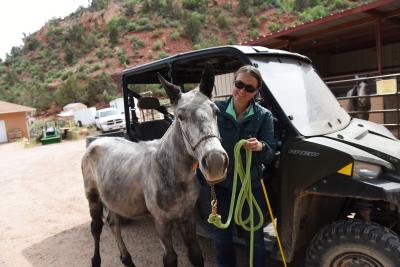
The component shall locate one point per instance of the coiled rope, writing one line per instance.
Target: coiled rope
(245, 196)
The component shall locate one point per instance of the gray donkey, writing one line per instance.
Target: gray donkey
(157, 176)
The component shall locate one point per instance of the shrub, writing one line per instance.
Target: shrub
(75, 34)
(70, 91)
(65, 75)
(98, 4)
(143, 21)
(162, 54)
(110, 53)
(193, 24)
(273, 26)
(98, 88)
(147, 27)
(82, 72)
(31, 43)
(68, 55)
(122, 56)
(100, 53)
(113, 35)
(313, 13)
(175, 35)
(222, 22)
(158, 45)
(137, 43)
(55, 32)
(208, 42)
(156, 33)
(340, 4)
(96, 67)
(253, 33)
(131, 26)
(114, 27)
(129, 8)
(244, 6)
(227, 6)
(195, 5)
(174, 23)
(253, 22)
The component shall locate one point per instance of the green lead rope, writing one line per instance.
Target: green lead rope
(245, 196)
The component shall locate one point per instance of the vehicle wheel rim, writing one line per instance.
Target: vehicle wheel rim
(352, 259)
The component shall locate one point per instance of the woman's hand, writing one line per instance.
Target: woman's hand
(253, 144)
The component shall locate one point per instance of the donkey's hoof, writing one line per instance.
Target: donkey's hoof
(127, 261)
(96, 262)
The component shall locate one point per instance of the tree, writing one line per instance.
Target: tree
(68, 55)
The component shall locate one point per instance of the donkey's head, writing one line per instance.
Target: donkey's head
(196, 118)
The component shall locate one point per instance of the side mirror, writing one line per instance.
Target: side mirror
(96, 117)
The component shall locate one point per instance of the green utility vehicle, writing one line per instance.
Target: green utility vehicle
(51, 133)
(335, 181)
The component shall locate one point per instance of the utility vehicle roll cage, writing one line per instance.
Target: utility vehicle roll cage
(186, 68)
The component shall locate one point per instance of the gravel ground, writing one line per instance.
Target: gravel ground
(45, 217)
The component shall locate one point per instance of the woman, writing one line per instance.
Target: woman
(241, 117)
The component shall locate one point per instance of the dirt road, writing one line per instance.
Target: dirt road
(44, 215)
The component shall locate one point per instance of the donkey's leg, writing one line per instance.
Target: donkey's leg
(164, 231)
(96, 226)
(115, 225)
(187, 228)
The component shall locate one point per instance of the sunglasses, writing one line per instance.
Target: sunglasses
(248, 88)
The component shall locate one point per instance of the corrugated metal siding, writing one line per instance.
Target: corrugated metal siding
(391, 55)
(223, 85)
(3, 132)
(364, 59)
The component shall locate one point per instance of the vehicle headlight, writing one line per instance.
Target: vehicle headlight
(366, 170)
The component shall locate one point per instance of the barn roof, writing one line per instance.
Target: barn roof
(347, 30)
(7, 107)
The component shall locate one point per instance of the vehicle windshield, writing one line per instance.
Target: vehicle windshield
(302, 95)
(108, 113)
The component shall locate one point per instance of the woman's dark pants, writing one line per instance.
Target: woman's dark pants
(223, 238)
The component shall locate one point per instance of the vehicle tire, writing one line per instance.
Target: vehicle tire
(354, 243)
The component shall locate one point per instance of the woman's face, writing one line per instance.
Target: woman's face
(241, 96)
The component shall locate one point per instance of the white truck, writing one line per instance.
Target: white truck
(109, 119)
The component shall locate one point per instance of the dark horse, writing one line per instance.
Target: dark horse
(359, 103)
(158, 176)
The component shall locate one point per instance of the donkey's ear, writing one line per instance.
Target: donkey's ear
(173, 91)
(207, 80)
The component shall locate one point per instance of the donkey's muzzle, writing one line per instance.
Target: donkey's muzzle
(214, 165)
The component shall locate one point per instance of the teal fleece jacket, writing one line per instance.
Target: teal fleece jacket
(259, 125)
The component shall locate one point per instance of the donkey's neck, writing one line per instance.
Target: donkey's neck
(172, 153)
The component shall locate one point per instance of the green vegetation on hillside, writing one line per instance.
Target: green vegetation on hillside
(73, 59)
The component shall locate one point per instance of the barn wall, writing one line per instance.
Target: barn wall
(16, 125)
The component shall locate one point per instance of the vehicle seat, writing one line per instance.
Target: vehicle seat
(153, 129)
(50, 130)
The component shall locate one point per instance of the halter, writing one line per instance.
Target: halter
(208, 136)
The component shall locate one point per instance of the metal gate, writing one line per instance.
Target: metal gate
(3, 132)
(384, 99)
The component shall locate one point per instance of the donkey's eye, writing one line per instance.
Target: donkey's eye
(181, 117)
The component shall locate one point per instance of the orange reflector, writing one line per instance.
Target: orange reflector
(347, 170)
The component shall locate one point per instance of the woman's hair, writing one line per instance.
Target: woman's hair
(253, 71)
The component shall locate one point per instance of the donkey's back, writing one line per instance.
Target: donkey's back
(113, 169)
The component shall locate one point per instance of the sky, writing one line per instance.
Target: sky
(28, 16)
